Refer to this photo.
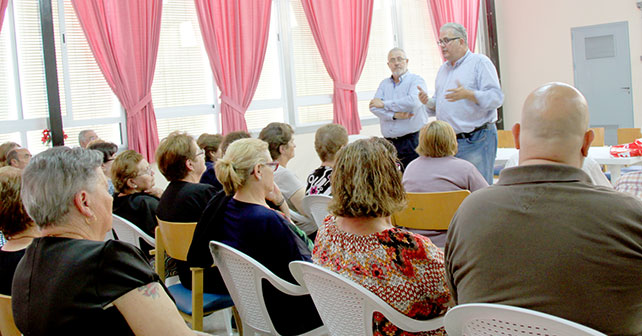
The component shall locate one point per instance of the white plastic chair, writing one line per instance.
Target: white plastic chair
(495, 319)
(317, 206)
(346, 307)
(243, 275)
(130, 233)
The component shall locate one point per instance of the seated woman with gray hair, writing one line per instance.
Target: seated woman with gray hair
(242, 219)
(70, 280)
(18, 228)
(437, 168)
(358, 240)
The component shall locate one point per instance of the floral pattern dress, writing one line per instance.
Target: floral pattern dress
(404, 269)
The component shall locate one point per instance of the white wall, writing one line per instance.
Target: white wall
(534, 40)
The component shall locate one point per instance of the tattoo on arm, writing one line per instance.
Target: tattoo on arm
(149, 290)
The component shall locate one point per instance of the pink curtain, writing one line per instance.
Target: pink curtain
(235, 33)
(464, 12)
(123, 36)
(3, 7)
(341, 30)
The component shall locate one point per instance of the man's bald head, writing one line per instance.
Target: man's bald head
(554, 125)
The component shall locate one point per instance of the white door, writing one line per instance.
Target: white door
(602, 72)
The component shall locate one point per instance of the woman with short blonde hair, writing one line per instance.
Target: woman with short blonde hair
(358, 240)
(437, 168)
(241, 218)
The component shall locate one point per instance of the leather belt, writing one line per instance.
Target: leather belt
(403, 137)
(470, 134)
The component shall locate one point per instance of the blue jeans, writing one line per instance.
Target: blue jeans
(480, 150)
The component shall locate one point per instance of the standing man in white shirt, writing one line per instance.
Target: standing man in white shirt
(398, 107)
(467, 95)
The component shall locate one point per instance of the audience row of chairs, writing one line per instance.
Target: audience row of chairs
(345, 307)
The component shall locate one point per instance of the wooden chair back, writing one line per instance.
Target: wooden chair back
(430, 211)
(505, 139)
(598, 140)
(7, 324)
(628, 135)
(181, 238)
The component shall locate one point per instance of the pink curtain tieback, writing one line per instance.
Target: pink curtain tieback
(131, 112)
(345, 86)
(227, 100)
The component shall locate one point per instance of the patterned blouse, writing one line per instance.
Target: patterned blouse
(404, 269)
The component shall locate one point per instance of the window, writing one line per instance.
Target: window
(86, 99)
(294, 86)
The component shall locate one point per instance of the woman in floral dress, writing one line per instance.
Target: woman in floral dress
(359, 241)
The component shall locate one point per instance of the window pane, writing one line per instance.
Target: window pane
(91, 96)
(419, 40)
(31, 65)
(315, 113)
(257, 119)
(311, 77)
(183, 75)
(269, 86)
(381, 41)
(14, 137)
(195, 126)
(7, 90)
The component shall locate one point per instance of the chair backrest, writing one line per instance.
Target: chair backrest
(345, 305)
(7, 324)
(430, 211)
(176, 237)
(128, 232)
(496, 319)
(628, 135)
(243, 275)
(317, 206)
(505, 139)
(598, 140)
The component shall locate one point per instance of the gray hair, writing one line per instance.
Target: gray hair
(398, 49)
(82, 135)
(458, 29)
(53, 178)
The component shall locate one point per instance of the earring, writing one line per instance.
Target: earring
(135, 186)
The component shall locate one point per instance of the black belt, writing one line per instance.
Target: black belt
(470, 134)
(403, 137)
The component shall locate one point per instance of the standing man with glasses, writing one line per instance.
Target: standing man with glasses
(398, 107)
(467, 95)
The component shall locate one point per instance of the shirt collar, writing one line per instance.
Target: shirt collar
(541, 174)
(459, 61)
(400, 77)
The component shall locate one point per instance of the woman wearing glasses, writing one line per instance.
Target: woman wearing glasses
(182, 163)
(242, 219)
(136, 199)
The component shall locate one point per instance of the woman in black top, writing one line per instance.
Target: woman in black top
(71, 281)
(15, 224)
(136, 199)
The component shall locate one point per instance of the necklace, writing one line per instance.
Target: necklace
(14, 238)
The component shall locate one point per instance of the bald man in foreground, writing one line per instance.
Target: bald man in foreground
(544, 237)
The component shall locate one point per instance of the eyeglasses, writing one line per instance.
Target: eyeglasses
(446, 40)
(396, 59)
(201, 152)
(274, 165)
